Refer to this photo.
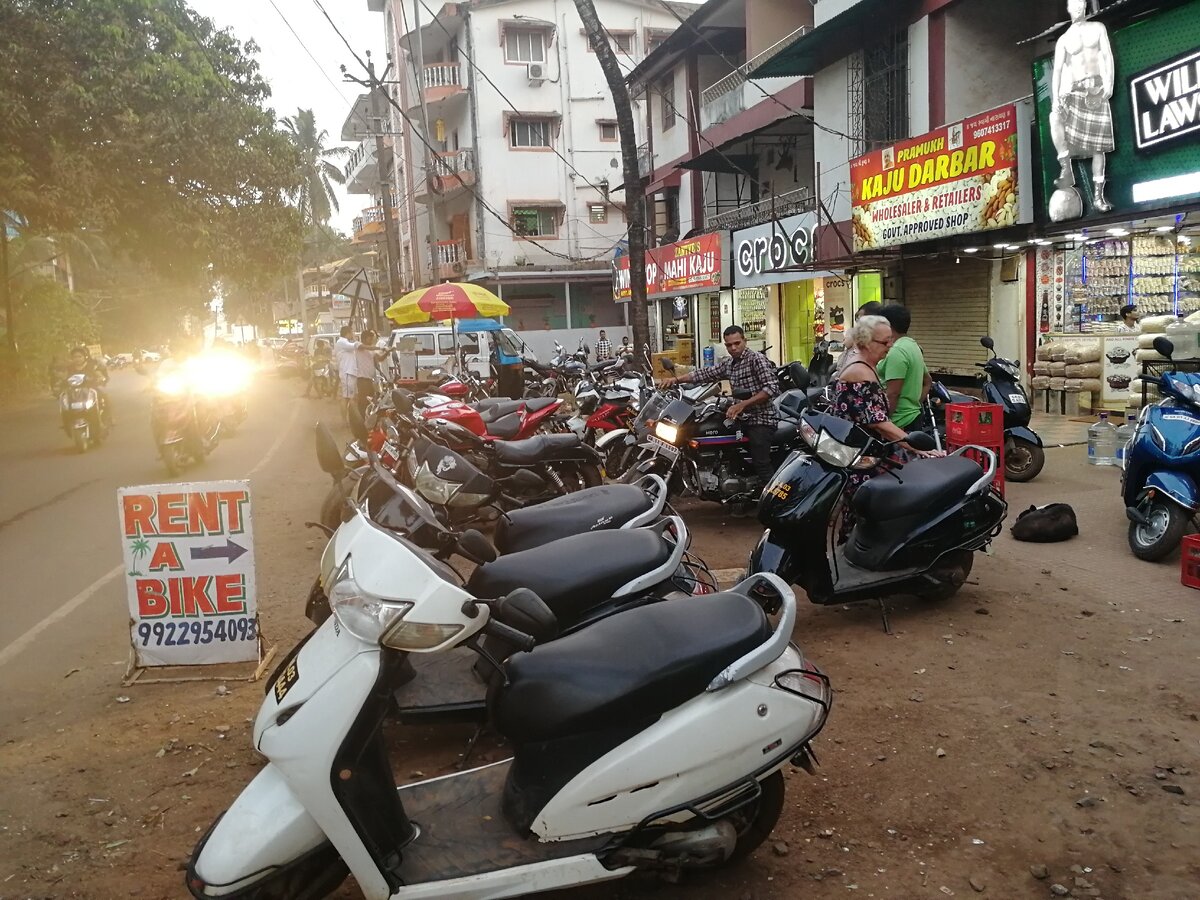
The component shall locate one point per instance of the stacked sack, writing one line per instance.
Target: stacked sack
(1082, 367)
(1153, 327)
(1049, 368)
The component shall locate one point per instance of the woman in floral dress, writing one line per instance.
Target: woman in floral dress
(860, 398)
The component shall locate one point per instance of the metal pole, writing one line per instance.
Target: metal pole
(5, 288)
(383, 161)
(430, 171)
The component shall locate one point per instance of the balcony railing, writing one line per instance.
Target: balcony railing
(371, 221)
(441, 75)
(777, 207)
(726, 98)
(450, 256)
(455, 162)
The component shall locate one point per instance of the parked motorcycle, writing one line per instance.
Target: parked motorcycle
(672, 761)
(497, 419)
(917, 529)
(185, 424)
(82, 414)
(1161, 481)
(324, 380)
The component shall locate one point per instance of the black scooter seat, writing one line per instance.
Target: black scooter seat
(602, 508)
(536, 449)
(923, 484)
(491, 410)
(575, 574)
(635, 665)
(536, 404)
(504, 427)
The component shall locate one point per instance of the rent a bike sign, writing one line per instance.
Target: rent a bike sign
(189, 567)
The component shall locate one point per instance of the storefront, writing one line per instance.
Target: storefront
(1127, 239)
(683, 284)
(923, 195)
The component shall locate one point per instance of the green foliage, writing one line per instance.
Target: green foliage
(52, 323)
(139, 119)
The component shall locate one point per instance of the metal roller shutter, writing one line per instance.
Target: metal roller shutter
(950, 305)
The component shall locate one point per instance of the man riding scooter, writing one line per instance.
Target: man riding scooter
(81, 363)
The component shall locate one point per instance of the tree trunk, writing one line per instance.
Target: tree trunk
(6, 288)
(635, 209)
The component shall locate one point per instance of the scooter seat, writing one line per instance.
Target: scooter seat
(536, 404)
(785, 433)
(633, 666)
(536, 449)
(504, 427)
(602, 508)
(923, 484)
(577, 573)
(792, 404)
(491, 410)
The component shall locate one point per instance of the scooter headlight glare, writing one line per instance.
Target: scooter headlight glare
(363, 614)
(172, 385)
(666, 432)
(835, 452)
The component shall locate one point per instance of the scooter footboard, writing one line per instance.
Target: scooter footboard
(266, 830)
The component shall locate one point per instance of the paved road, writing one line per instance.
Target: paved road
(59, 546)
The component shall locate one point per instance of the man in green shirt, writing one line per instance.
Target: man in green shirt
(902, 372)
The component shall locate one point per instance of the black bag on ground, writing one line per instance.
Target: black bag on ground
(1046, 524)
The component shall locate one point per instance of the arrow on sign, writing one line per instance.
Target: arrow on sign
(230, 551)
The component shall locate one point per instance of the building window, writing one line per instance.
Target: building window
(597, 213)
(529, 133)
(883, 103)
(666, 93)
(535, 221)
(524, 45)
(608, 131)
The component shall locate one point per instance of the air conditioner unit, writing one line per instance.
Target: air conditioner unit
(537, 73)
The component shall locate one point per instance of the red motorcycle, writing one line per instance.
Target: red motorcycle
(498, 420)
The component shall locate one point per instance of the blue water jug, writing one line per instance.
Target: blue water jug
(710, 356)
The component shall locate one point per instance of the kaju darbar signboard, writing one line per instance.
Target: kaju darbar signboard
(685, 267)
(1148, 152)
(959, 178)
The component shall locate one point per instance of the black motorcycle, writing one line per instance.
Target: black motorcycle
(185, 426)
(918, 524)
(82, 412)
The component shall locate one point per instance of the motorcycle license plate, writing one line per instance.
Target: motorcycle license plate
(1017, 399)
(660, 446)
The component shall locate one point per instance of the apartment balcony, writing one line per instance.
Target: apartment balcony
(734, 93)
(450, 174)
(369, 226)
(360, 171)
(441, 81)
(777, 207)
(451, 258)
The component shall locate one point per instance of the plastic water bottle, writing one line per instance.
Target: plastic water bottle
(1124, 436)
(1102, 442)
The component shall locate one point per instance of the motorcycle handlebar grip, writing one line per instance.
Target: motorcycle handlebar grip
(498, 629)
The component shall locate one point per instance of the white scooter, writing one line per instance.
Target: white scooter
(654, 739)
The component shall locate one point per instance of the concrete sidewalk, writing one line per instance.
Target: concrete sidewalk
(1060, 431)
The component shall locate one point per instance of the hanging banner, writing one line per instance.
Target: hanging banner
(958, 179)
(189, 567)
(685, 267)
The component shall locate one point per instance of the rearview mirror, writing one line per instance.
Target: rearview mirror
(988, 343)
(1164, 347)
(328, 455)
(668, 363)
(475, 547)
(920, 440)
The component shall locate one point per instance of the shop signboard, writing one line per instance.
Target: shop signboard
(685, 267)
(1149, 154)
(762, 254)
(958, 179)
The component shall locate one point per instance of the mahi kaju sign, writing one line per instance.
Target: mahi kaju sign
(959, 178)
(189, 567)
(685, 267)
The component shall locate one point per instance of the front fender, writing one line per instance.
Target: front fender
(611, 438)
(1177, 486)
(1025, 434)
(772, 557)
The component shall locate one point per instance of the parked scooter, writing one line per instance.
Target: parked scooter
(81, 411)
(918, 525)
(1161, 481)
(670, 760)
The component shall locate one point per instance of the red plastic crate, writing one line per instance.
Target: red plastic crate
(1189, 575)
(975, 423)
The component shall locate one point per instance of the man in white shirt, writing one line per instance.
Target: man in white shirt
(1129, 320)
(363, 359)
(343, 354)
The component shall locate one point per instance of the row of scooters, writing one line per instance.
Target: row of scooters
(649, 716)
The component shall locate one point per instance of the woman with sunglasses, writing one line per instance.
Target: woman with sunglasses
(859, 397)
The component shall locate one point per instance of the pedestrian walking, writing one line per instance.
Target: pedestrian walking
(603, 347)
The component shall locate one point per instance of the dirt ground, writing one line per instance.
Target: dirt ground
(1035, 736)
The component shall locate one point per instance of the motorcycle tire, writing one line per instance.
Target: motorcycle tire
(958, 567)
(1162, 536)
(1025, 462)
(80, 439)
(755, 821)
(333, 508)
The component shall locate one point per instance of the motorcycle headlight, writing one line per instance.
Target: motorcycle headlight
(664, 431)
(835, 452)
(434, 489)
(172, 384)
(363, 614)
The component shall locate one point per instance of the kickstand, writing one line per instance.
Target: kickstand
(471, 746)
(883, 613)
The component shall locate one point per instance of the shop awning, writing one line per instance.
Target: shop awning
(716, 160)
(830, 41)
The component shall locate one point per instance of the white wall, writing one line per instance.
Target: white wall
(827, 9)
(1007, 320)
(918, 78)
(831, 151)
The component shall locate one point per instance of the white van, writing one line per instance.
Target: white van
(435, 347)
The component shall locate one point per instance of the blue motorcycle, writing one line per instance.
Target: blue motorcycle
(1162, 465)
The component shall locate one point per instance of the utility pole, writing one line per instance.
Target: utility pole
(634, 197)
(5, 288)
(431, 173)
(382, 164)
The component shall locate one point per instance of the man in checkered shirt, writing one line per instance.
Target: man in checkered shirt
(752, 377)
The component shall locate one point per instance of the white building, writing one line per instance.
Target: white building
(524, 147)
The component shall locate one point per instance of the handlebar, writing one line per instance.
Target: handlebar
(498, 629)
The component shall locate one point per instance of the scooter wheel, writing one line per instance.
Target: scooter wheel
(1162, 535)
(1023, 461)
(755, 821)
(81, 441)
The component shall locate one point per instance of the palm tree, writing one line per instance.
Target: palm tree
(314, 197)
